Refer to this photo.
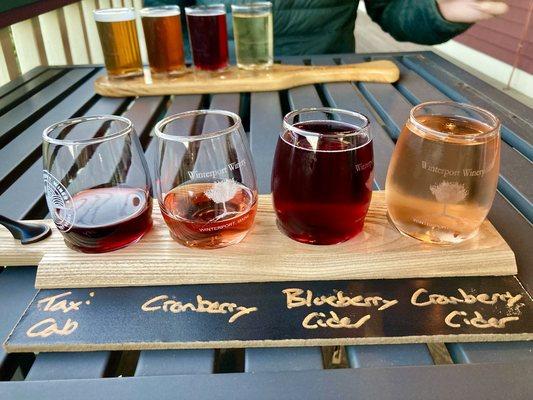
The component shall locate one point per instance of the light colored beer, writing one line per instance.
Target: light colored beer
(164, 42)
(442, 177)
(252, 28)
(120, 44)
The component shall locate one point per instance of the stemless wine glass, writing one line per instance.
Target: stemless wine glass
(444, 171)
(96, 182)
(205, 178)
(208, 36)
(322, 175)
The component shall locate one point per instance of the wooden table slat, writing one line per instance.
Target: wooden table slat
(55, 366)
(265, 126)
(175, 362)
(390, 355)
(470, 353)
(282, 359)
(21, 80)
(23, 92)
(16, 119)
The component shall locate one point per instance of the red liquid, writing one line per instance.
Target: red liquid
(209, 40)
(108, 219)
(322, 197)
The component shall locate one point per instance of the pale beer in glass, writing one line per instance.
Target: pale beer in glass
(120, 45)
(254, 39)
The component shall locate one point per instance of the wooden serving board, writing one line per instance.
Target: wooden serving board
(265, 255)
(279, 77)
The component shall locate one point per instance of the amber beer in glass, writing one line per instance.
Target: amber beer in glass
(164, 41)
(444, 171)
(120, 45)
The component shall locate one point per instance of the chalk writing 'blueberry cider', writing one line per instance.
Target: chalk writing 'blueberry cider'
(444, 170)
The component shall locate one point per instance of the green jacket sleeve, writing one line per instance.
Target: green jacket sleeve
(418, 21)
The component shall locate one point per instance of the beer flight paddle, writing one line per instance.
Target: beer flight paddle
(235, 80)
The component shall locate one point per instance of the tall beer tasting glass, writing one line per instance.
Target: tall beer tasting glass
(254, 39)
(208, 36)
(322, 175)
(444, 171)
(205, 178)
(164, 41)
(97, 183)
(120, 45)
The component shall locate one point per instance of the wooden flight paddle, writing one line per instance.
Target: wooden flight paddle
(279, 77)
(265, 255)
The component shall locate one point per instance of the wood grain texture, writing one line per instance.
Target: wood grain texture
(265, 255)
(234, 80)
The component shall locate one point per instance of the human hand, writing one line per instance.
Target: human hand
(470, 11)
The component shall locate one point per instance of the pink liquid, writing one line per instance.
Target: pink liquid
(107, 219)
(209, 40)
(322, 197)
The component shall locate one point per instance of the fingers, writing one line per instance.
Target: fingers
(491, 8)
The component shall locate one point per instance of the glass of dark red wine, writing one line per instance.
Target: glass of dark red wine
(205, 178)
(208, 36)
(322, 175)
(97, 183)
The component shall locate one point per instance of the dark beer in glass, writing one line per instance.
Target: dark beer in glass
(208, 36)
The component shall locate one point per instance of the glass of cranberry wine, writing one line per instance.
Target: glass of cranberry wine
(205, 178)
(97, 183)
(322, 175)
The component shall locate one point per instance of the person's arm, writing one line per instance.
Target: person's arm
(429, 21)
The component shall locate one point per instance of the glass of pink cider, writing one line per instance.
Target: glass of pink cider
(208, 36)
(96, 182)
(322, 175)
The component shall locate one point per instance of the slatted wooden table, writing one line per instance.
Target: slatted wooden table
(485, 370)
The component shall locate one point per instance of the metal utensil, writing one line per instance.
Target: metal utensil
(25, 232)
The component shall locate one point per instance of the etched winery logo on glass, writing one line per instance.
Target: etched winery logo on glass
(59, 202)
(449, 193)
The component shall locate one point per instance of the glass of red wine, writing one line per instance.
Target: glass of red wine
(208, 36)
(322, 175)
(97, 183)
(205, 178)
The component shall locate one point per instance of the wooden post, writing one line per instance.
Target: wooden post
(76, 34)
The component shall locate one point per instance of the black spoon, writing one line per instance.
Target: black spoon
(25, 232)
